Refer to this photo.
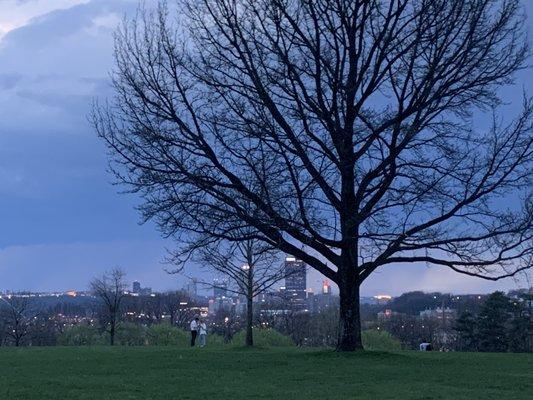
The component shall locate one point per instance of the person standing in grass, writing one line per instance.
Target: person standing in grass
(203, 333)
(194, 330)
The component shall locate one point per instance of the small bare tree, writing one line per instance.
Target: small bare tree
(110, 290)
(16, 316)
(341, 131)
(252, 267)
(178, 306)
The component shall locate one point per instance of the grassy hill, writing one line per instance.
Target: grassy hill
(282, 373)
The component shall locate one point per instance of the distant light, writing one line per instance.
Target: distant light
(383, 297)
(290, 259)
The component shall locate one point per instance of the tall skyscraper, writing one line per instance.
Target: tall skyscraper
(136, 287)
(295, 280)
(192, 288)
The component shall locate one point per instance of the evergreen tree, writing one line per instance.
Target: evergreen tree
(466, 327)
(493, 323)
(521, 329)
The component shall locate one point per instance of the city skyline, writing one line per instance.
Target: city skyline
(314, 282)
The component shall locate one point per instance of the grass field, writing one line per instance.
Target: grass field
(176, 373)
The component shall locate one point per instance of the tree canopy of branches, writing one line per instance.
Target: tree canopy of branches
(341, 131)
(110, 290)
(252, 267)
(176, 305)
(16, 316)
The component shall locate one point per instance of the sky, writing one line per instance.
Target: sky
(62, 222)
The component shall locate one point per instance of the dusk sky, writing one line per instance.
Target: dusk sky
(61, 220)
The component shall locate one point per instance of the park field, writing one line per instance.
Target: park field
(279, 373)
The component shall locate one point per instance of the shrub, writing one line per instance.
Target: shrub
(214, 340)
(80, 335)
(129, 334)
(380, 340)
(166, 335)
(264, 338)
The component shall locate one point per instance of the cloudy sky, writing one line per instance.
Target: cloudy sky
(61, 221)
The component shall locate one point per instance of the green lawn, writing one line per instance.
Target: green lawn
(177, 373)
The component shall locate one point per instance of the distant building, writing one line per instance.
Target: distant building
(240, 305)
(295, 281)
(220, 288)
(192, 288)
(326, 287)
(267, 297)
(138, 290)
(523, 296)
(446, 314)
(220, 304)
(310, 301)
(386, 314)
(383, 299)
(322, 302)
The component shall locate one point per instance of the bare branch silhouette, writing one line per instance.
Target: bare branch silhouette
(340, 131)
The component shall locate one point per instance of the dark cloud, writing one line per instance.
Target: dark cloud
(54, 189)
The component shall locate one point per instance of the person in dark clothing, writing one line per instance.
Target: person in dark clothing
(194, 330)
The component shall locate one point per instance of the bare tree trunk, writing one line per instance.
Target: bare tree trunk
(112, 334)
(110, 291)
(249, 321)
(172, 318)
(349, 318)
(250, 305)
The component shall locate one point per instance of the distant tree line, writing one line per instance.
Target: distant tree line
(26, 320)
(492, 323)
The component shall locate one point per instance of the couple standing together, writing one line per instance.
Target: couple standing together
(198, 327)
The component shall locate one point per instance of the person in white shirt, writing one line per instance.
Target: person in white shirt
(203, 333)
(194, 331)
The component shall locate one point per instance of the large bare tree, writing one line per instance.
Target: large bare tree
(110, 290)
(341, 130)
